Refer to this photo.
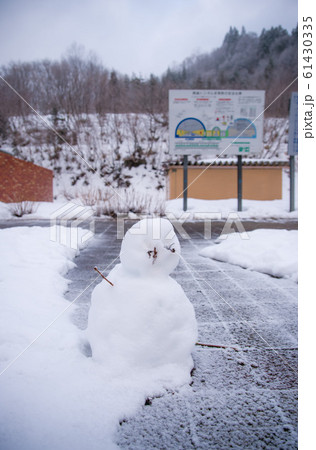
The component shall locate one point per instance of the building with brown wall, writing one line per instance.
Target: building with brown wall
(24, 181)
(261, 180)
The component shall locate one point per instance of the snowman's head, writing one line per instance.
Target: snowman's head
(150, 247)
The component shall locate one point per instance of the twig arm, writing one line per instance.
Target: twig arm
(97, 270)
(217, 346)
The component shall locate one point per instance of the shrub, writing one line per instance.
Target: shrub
(130, 200)
(20, 208)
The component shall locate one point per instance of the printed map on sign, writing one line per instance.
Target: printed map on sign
(214, 122)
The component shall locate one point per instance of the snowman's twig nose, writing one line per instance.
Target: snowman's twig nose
(97, 270)
(155, 254)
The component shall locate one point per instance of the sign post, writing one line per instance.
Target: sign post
(185, 182)
(215, 123)
(293, 145)
(292, 183)
(239, 187)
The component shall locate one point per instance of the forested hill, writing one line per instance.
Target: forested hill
(245, 61)
(79, 83)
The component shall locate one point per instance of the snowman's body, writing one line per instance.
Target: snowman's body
(145, 320)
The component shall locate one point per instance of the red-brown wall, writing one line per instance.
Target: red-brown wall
(24, 181)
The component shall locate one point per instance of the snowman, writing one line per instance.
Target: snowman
(143, 320)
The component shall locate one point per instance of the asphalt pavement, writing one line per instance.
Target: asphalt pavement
(237, 399)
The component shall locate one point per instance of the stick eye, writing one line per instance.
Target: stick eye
(171, 248)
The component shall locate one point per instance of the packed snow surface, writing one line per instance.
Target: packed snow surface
(145, 321)
(52, 394)
(269, 251)
(199, 209)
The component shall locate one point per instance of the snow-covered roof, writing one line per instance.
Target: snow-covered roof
(4, 151)
(24, 160)
(233, 162)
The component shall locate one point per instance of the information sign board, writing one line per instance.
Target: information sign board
(215, 122)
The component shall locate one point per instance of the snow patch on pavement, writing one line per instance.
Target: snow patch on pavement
(269, 251)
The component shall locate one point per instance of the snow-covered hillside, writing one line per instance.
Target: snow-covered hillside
(111, 148)
(92, 155)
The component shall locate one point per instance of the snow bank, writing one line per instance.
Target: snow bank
(221, 209)
(53, 396)
(40, 210)
(269, 251)
(5, 213)
(197, 209)
(47, 397)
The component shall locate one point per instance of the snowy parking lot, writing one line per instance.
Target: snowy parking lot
(244, 399)
(243, 392)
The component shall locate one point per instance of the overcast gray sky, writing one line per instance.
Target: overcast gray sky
(131, 36)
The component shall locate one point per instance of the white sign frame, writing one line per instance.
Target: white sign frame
(216, 122)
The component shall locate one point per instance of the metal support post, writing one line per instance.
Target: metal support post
(185, 182)
(239, 183)
(292, 183)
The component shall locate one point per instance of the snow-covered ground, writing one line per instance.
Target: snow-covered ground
(223, 209)
(154, 202)
(268, 251)
(52, 394)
